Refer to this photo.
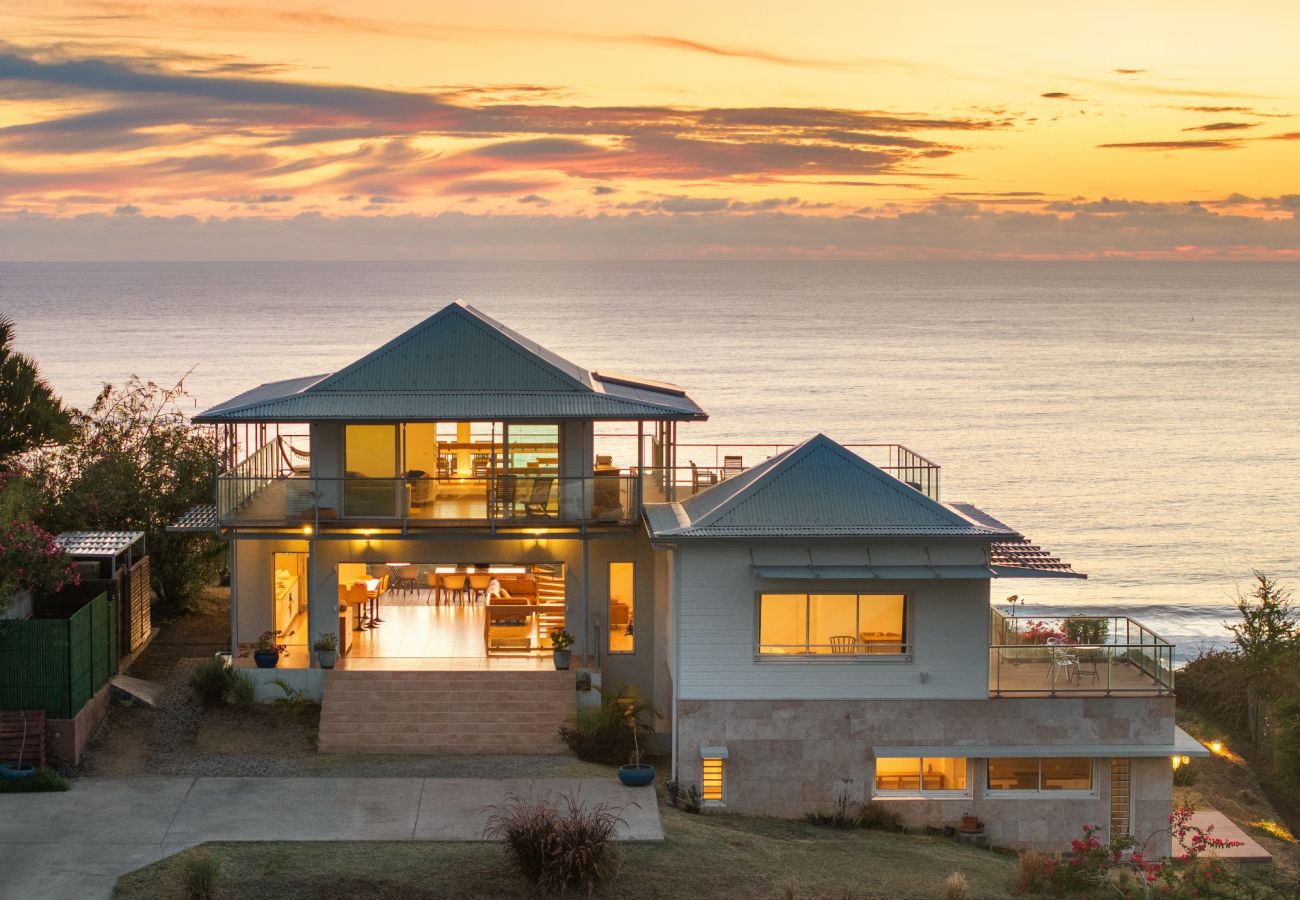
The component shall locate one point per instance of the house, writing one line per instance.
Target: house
(811, 621)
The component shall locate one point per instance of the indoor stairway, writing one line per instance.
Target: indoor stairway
(466, 712)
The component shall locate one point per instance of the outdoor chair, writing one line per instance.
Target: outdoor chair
(701, 479)
(732, 466)
(538, 503)
(1063, 660)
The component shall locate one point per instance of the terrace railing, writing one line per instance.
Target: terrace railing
(1074, 655)
(506, 500)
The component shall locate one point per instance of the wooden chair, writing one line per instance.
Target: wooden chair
(700, 480)
(538, 503)
(844, 644)
(732, 466)
(478, 585)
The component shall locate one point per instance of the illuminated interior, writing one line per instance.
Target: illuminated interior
(832, 624)
(622, 637)
(711, 780)
(1030, 773)
(289, 600)
(911, 773)
(403, 610)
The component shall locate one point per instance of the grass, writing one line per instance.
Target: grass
(44, 781)
(702, 856)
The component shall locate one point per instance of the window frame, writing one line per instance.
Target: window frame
(609, 608)
(965, 793)
(831, 658)
(1039, 793)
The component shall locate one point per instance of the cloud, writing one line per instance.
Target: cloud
(534, 199)
(1200, 144)
(1223, 126)
(126, 209)
(602, 190)
(1120, 229)
(255, 198)
(1059, 95)
(1128, 71)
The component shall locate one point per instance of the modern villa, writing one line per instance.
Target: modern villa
(810, 621)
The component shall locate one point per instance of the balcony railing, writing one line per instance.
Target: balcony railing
(1077, 656)
(248, 500)
(708, 464)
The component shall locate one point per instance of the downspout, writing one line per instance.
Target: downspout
(677, 646)
(234, 597)
(586, 579)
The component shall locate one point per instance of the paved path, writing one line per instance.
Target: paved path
(1249, 852)
(75, 844)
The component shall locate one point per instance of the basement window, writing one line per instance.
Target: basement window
(713, 774)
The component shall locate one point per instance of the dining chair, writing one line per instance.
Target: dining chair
(478, 585)
(843, 644)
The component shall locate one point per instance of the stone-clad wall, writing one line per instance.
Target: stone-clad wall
(787, 757)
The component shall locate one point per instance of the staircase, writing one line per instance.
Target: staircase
(470, 712)
(550, 601)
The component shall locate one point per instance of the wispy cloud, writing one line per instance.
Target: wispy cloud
(1223, 126)
(1196, 144)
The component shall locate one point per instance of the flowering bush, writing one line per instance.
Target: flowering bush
(1040, 633)
(30, 560)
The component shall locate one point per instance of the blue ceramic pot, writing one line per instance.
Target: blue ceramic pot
(266, 659)
(636, 776)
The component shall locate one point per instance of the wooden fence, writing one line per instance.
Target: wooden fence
(58, 664)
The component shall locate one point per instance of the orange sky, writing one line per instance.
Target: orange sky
(996, 129)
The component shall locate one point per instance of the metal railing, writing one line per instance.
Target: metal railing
(847, 652)
(708, 464)
(1074, 655)
(255, 500)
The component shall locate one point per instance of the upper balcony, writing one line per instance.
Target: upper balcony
(1077, 656)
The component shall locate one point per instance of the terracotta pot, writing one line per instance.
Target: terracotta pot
(970, 824)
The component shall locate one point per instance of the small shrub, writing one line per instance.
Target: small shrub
(608, 733)
(201, 872)
(1035, 870)
(44, 781)
(693, 800)
(955, 887)
(241, 689)
(211, 681)
(1185, 776)
(557, 842)
(297, 703)
(1087, 629)
(841, 814)
(878, 817)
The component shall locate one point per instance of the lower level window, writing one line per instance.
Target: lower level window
(914, 774)
(711, 780)
(1033, 773)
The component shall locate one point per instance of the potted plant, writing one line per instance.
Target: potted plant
(266, 652)
(327, 649)
(636, 773)
(561, 641)
(970, 823)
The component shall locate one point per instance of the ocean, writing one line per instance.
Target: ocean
(1138, 419)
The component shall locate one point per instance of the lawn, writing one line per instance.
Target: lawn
(705, 856)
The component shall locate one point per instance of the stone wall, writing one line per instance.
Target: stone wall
(788, 757)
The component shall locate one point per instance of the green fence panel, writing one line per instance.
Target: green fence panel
(34, 667)
(80, 658)
(100, 635)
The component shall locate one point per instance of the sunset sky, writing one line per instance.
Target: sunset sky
(402, 129)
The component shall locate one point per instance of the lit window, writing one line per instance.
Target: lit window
(711, 780)
(831, 624)
(1029, 773)
(622, 622)
(911, 774)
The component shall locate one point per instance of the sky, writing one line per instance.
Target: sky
(396, 129)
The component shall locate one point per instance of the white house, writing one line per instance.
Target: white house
(810, 621)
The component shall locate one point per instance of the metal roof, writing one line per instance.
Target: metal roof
(197, 518)
(1017, 558)
(1183, 745)
(457, 365)
(97, 544)
(867, 573)
(817, 489)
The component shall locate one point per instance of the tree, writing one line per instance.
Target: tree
(1268, 624)
(135, 462)
(31, 415)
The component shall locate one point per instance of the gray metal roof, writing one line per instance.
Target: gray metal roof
(97, 544)
(867, 573)
(1020, 558)
(457, 365)
(817, 489)
(197, 518)
(1183, 745)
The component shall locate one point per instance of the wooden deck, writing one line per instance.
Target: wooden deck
(1033, 678)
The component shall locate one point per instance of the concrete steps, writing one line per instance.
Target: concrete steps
(471, 712)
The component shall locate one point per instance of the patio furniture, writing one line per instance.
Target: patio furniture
(701, 479)
(1062, 661)
(1086, 666)
(355, 595)
(537, 504)
(732, 466)
(843, 644)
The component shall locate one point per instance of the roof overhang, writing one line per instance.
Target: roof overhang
(1183, 745)
(196, 518)
(867, 573)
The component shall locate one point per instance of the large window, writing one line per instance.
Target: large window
(831, 624)
(924, 775)
(370, 452)
(622, 608)
(1031, 773)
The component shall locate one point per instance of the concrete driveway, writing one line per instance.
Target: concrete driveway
(75, 844)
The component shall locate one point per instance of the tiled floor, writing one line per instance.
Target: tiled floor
(431, 638)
